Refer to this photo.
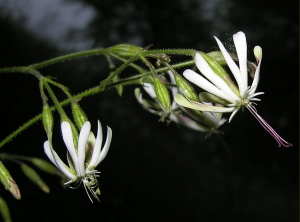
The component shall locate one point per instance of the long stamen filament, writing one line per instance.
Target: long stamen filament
(268, 128)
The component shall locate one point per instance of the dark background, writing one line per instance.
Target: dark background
(155, 172)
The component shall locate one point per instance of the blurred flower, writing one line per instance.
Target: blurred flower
(190, 118)
(82, 161)
(220, 87)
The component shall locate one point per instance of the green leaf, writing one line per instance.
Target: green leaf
(4, 210)
(34, 177)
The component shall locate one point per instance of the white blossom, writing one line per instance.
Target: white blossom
(235, 97)
(82, 160)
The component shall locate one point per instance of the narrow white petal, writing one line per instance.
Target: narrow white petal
(233, 67)
(48, 152)
(211, 118)
(57, 161)
(184, 121)
(205, 84)
(254, 85)
(150, 90)
(240, 43)
(106, 146)
(97, 147)
(138, 95)
(174, 90)
(172, 79)
(207, 71)
(254, 99)
(222, 121)
(68, 139)
(232, 115)
(254, 94)
(83, 138)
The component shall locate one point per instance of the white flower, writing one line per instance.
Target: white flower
(82, 160)
(234, 96)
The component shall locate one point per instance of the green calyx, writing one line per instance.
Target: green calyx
(187, 89)
(47, 120)
(78, 115)
(162, 94)
(125, 50)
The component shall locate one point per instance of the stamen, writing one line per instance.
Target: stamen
(90, 185)
(268, 128)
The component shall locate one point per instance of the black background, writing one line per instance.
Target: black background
(155, 172)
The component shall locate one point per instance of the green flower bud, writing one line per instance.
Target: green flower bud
(4, 210)
(186, 87)
(34, 177)
(220, 71)
(162, 94)
(125, 50)
(8, 182)
(47, 120)
(79, 116)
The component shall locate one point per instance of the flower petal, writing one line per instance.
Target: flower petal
(148, 87)
(138, 95)
(240, 43)
(83, 138)
(204, 84)
(207, 71)
(174, 90)
(258, 55)
(189, 123)
(52, 155)
(68, 139)
(97, 147)
(212, 118)
(106, 146)
(232, 115)
(233, 67)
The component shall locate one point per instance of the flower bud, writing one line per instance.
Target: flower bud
(162, 94)
(125, 50)
(220, 71)
(34, 177)
(47, 120)
(8, 182)
(4, 210)
(79, 116)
